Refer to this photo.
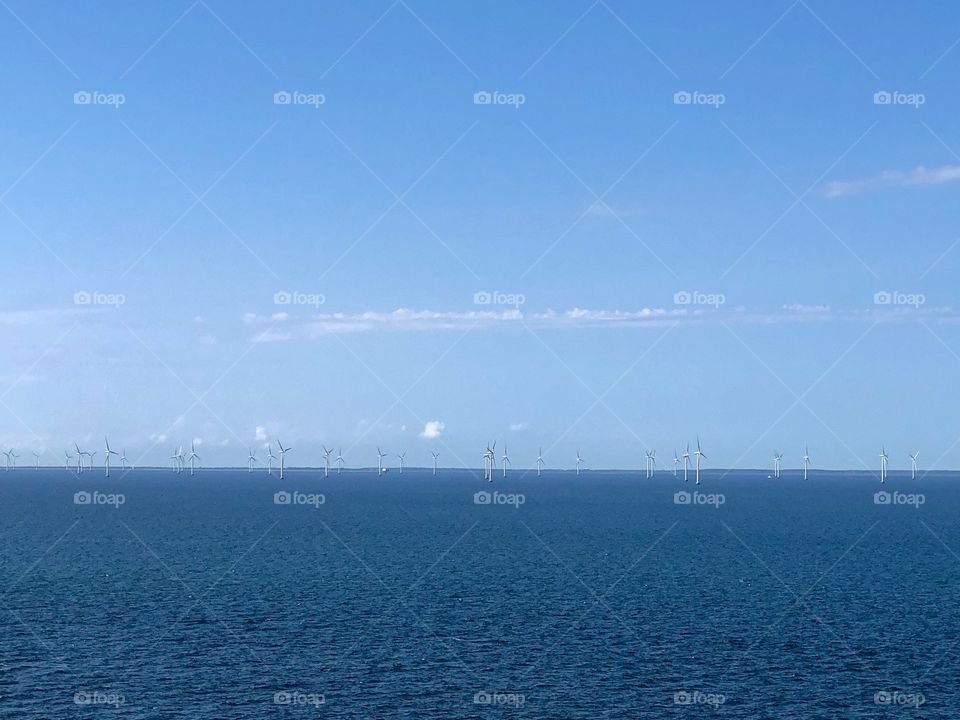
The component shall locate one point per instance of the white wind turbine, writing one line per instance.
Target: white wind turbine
(67, 457)
(13, 458)
(176, 460)
(777, 457)
(80, 454)
(489, 460)
(435, 456)
(651, 463)
(883, 463)
(806, 461)
(380, 456)
(7, 454)
(505, 460)
(686, 462)
(401, 456)
(251, 459)
(181, 458)
(123, 460)
(699, 454)
(193, 457)
(676, 462)
(326, 460)
(579, 462)
(270, 458)
(913, 465)
(283, 451)
(90, 458)
(340, 460)
(539, 461)
(107, 452)
(37, 456)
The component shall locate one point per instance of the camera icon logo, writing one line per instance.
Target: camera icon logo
(482, 97)
(82, 498)
(681, 498)
(482, 498)
(282, 298)
(482, 298)
(282, 97)
(882, 298)
(682, 97)
(82, 97)
(282, 497)
(882, 498)
(682, 298)
(682, 697)
(82, 298)
(882, 97)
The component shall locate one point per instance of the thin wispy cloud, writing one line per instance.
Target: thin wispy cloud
(918, 176)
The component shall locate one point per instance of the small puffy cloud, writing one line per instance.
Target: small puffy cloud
(198, 441)
(917, 176)
(158, 437)
(433, 429)
(261, 433)
(518, 427)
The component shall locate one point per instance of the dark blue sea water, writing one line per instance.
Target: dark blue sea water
(597, 597)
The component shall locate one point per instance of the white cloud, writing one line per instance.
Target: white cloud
(261, 433)
(198, 441)
(919, 175)
(518, 427)
(433, 429)
(158, 438)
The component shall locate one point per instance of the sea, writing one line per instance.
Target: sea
(227, 594)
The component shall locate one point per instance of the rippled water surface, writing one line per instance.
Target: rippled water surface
(597, 597)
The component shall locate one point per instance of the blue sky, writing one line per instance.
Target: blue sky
(152, 235)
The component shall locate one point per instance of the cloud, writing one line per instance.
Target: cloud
(919, 175)
(433, 429)
(518, 427)
(261, 433)
(158, 438)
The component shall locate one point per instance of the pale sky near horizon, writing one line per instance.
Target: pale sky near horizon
(599, 225)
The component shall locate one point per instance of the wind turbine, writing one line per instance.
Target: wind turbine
(176, 461)
(806, 460)
(193, 457)
(505, 460)
(913, 465)
(251, 459)
(270, 458)
(7, 454)
(80, 454)
(89, 457)
(435, 456)
(37, 456)
(123, 459)
(13, 458)
(777, 457)
(539, 461)
(380, 456)
(340, 460)
(67, 457)
(107, 452)
(283, 451)
(401, 456)
(676, 462)
(579, 462)
(488, 461)
(686, 461)
(181, 460)
(651, 463)
(699, 454)
(883, 463)
(326, 460)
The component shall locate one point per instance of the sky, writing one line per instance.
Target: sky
(571, 225)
